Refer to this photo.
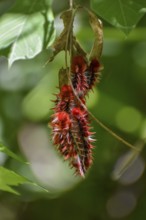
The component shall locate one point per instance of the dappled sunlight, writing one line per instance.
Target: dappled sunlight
(132, 173)
(143, 130)
(20, 76)
(3, 158)
(121, 204)
(139, 54)
(37, 103)
(128, 119)
(115, 186)
(45, 163)
(93, 98)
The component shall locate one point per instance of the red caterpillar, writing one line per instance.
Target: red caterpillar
(71, 132)
(65, 99)
(70, 122)
(83, 139)
(84, 76)
(61, 125)
(93, 73)
(79, 82)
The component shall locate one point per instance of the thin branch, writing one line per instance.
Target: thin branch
(71, 3)
(103, 125)
(69, 44)
(113, 133)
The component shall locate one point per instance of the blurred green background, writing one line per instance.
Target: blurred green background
(26, 91)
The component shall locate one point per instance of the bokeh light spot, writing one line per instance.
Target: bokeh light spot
(121, 204)
(47, 167)
(128, 119)
(139, 54)
(143, 130)
(132, 172)
(93, 99)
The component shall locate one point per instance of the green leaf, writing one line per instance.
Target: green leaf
(11, 154)
(29, 7)
(26, 34)
(9, 178)
(123, 14)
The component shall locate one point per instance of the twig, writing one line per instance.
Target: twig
(69, 43)
(113, 133)
(103, 125)
(71, 3)
(68, 46)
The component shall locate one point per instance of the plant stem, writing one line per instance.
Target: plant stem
(113, 133)
(103, 125)
(71, 3)
(69, 47)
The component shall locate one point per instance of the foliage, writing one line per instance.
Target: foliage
(123, 14)
(27, 28)
(26, 36)
(8, 177)
(10, 153)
